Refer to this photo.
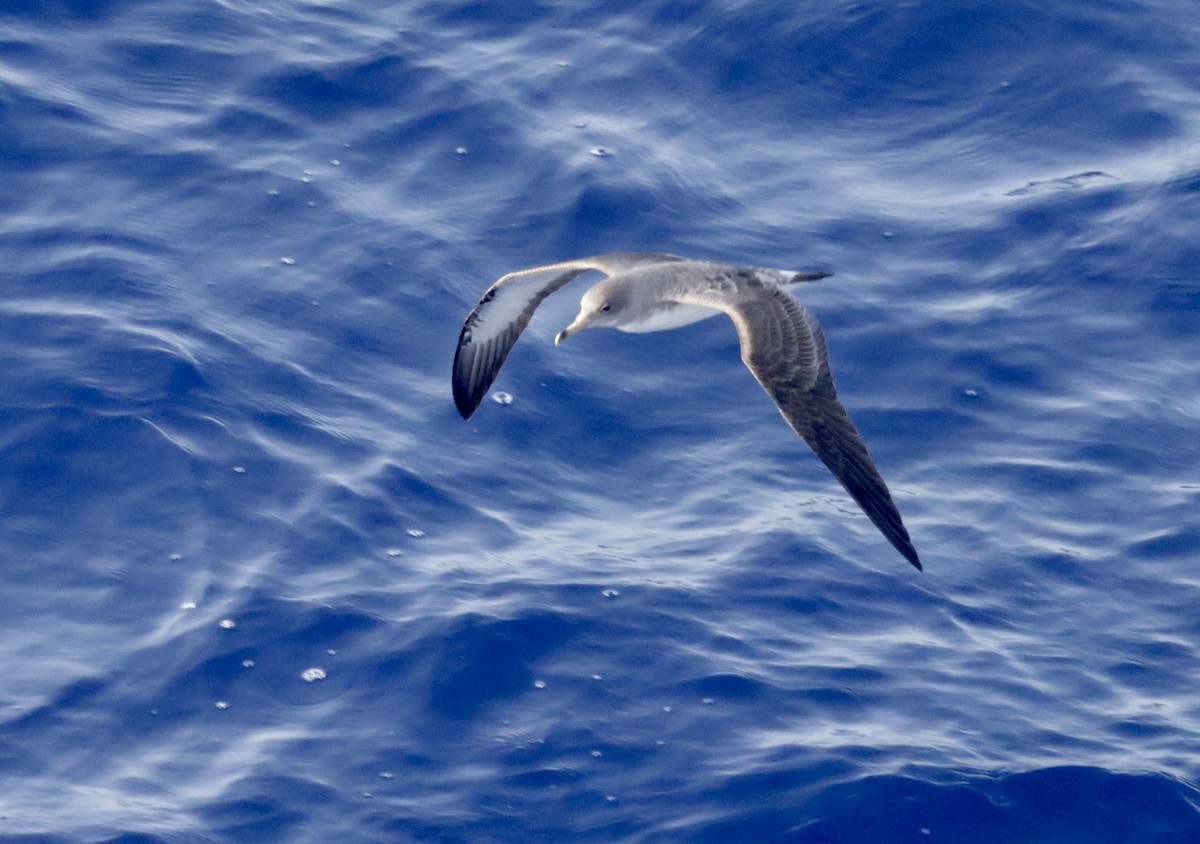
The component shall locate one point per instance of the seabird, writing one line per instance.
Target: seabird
(781, 342)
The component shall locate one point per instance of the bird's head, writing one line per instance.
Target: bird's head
(604, 305)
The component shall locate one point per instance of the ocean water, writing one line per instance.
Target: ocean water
(261, 583)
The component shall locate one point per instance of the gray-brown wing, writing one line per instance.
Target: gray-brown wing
(493, 326)
(784, 347)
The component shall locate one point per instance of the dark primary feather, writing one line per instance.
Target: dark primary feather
(477, 363)
(784, 347)
(508, 305)
(822, 421)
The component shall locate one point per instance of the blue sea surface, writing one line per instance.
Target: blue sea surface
(261, 583)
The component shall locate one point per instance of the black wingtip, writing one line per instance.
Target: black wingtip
(462, 395)
(466, 399)
(463, 401)
(904, 545)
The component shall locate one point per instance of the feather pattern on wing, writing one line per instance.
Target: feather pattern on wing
(494, 325)
(781, 342)
(784, 347)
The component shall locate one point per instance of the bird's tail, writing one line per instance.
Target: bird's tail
(796, 278)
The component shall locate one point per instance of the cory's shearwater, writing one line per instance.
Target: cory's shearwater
(781, 342)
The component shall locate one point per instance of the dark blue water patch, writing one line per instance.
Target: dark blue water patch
(776, 574)
(1034, 479)
(84, 353)
(110, 263)
(1064, 214)
(38, 134)
(179, 183)
(391, 81)
(542, 778)
(1182, 541)
(1064, 567)
(410, 276)
(390, 825)
(1149, 727)
(281, 202)
(19, 54)
(1020, 370)
(1072, 805)
(58, 711)
(405, 500)
(326, 542)
(269, 660)
(877, 57)
(1128, 118)
(600, 209)
(475, 147)
(1176, 305)
(1151, 677)
(1167, 652)
(772, 801)
(483, 18)
(155, 70)
(837, 702)
(916, 59)
(984, 617)
(571, 755)
(601, 422)
(76, 465)
(602, 206)
(65, 11)
(1185, 184)
(728, 688)
(945, 427)
(268, 808)
(1122, 443)
(478, 662)
(1103, 806)
(241, 123)
(917, 53)
(1068, 746)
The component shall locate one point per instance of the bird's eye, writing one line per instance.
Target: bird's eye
(606, 308)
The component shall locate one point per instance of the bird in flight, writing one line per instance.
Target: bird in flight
(781, 342)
